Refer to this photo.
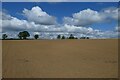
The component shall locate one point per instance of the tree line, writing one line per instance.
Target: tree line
(25, 34)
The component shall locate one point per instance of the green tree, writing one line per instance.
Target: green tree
(76, 38)
(71, 36)
(20, 35)
(23, 35)
(4, 36)
(59, 36)
(36, 36)
(63, 37)
(87, 38)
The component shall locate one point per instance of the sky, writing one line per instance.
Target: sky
(60, 0)
(92, 19)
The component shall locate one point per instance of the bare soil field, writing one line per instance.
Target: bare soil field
(60, 58)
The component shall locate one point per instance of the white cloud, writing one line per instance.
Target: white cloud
(12, 26)
(39, 17)
(111, 12)
(88, 17)
(117, 28)
(85, 17)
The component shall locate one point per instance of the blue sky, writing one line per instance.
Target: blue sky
(61, 10)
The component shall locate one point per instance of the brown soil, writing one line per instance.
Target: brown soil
(60, 58)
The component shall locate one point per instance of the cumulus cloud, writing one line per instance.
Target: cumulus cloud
(117, 28)
(10, 23)
(89, 16)
(49, 30)
(37, 15)
(83, 18)
(110, 13)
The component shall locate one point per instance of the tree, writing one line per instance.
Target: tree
(36, 36)
(76, 38)
(71, 36)
(4, 36)
(59, 36)
(20, 35)
(23, 35)
(84, 38)
(87, 38)
(63, 37)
